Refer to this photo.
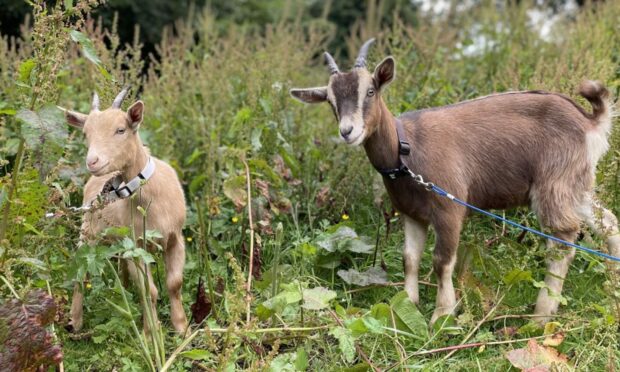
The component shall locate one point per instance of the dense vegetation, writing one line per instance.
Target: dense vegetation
(218, 109)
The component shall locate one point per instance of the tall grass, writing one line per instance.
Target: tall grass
(215, 98)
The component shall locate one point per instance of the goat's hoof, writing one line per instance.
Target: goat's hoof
(73, 327)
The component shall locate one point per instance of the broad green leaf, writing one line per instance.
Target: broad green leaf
(45, 133)
(140, 253)
(88, 50)
(68, 5)
(197, 354)
(357, 327)
(346, 342)
(329, 242)
(373, 325)
(517, 275)
(374, 275)
(446, 324)
(25, 69)
(360, 245)
(284, 363)
(317, 298)
(290, 294)
(382, 312)
(301, 362)
(344, 239)
(407, 312)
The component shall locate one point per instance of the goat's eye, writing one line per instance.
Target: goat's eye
(371, 92)
(120, 131)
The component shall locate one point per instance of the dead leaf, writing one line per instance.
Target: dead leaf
(202, 307)
(284, 171)
(537, 358)
(322, 197)
(554, 339)
(263, 188)
(235, 189)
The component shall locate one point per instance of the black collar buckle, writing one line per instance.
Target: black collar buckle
(404, 148)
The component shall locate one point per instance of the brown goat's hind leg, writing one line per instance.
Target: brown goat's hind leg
(559, 258)
(174, 256)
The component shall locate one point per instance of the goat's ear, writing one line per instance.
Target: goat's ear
(385, 72)
(74, 119)
(310, 95)
(135, 113)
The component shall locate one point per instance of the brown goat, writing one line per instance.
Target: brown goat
(115, 148)
(495, 152)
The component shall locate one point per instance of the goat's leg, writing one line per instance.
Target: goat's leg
(444, 259)
(602, 222)
(559, 259)
(137, 276)
(415, 238)
(77, 308)
(174, 257)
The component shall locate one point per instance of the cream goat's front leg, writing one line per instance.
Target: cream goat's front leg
(77, 308)
(174, 257)
(415, 239)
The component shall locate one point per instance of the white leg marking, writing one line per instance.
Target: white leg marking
(558, 263)
(446, 298)
(415, 239)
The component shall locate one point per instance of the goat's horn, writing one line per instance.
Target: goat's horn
(119, 99)
(361, 57)
(95, 105)
(331, 64)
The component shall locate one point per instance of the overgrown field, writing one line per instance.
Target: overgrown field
(324, 231)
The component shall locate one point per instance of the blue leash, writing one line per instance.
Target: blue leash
(442, 192)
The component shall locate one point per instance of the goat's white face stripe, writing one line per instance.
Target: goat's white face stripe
(352, 122)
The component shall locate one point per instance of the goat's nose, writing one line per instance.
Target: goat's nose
(344, 132)
(92, 161)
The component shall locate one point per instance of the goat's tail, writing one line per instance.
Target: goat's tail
(598, 96)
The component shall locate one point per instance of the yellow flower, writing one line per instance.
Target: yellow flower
(235, 219)
(345, 216)
(396, 213)
(189, 239)
(88, 285)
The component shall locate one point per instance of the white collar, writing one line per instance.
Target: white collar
(115, 188)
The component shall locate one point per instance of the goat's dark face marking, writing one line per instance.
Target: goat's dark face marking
(354, 96)
(347, 94)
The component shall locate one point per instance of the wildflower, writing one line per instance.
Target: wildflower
(189, 238)
(235, 219)
(88, 285)
(396, 214)
(277, 86)
(345, 216)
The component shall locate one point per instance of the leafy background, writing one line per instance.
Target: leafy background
(215, 84)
